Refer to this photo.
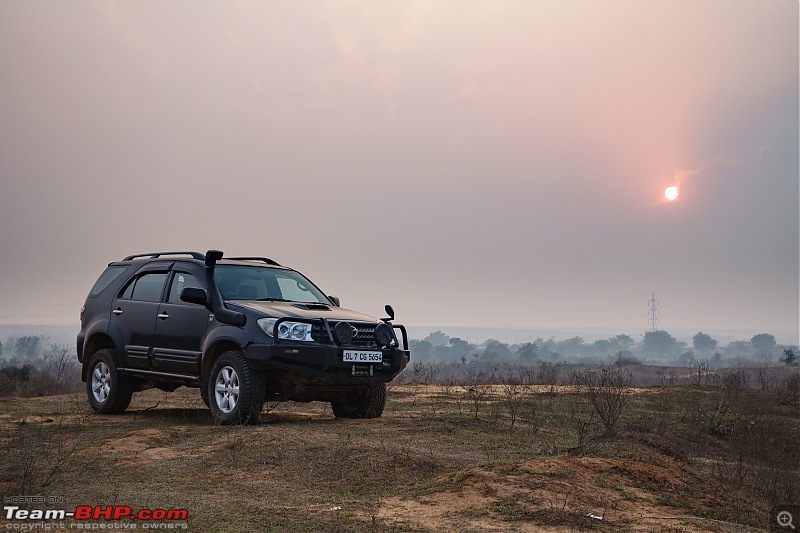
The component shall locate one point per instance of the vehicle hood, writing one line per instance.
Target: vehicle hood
(299, 310)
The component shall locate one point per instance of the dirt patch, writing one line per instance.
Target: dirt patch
(134, 443)
(547, 494)
(139, 447)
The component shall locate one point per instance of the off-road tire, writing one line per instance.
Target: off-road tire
(367, 403)
(235, 391)
(109, 392)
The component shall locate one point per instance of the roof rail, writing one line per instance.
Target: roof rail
(266, 260)
(155, 255)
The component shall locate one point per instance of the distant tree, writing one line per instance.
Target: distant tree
(442, 351)
(602, 346)
(528, 351)
(1, 349)
(545, 346)
(658, 342)
(438, 338)
(496, 349)
(685, 358)
(736, 349)
(703, 342)
(573, 346)
(420, 349)
(763, 342)
(622, 342)
(29, 346)
(459, 344)
(790, 356)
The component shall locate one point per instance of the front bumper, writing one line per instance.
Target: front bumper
(326, 362)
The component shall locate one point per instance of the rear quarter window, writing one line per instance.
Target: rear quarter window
(106, 278)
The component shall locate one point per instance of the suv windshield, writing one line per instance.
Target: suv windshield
(240, 282)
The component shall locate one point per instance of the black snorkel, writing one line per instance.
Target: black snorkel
(221, 313)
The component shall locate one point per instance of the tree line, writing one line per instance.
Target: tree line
(654, 347)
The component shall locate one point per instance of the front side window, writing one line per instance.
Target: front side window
(259, 283)
(180, 281)
(146, 288)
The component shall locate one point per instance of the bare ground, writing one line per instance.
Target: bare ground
(429, 464)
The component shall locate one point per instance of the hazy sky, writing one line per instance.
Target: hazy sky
(482, 163)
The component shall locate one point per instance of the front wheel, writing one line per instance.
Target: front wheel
(367, 403)
(235, 391)
(108, 390)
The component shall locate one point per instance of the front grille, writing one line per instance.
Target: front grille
(364, 338)
(365, 335)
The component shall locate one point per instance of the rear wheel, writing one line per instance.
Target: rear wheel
(108, 390)
(367, 403)
(235, 391)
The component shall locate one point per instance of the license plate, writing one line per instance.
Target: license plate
(353, 356)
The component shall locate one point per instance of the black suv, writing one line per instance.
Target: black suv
(245, 330)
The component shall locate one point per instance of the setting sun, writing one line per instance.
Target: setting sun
(671, 193)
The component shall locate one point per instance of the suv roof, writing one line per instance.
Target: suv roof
(199, 256)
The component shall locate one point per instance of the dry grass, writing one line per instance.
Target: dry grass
(434, 462)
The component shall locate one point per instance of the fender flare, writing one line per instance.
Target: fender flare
(105, 328)
(221, 335)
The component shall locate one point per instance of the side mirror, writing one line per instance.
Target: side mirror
(194, 295)
(335, 300)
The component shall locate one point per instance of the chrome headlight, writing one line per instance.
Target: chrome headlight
(293, 331)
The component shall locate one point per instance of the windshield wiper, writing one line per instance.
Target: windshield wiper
(273, 300)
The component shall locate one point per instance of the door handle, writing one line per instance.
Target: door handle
(163, 315)
(117, 311)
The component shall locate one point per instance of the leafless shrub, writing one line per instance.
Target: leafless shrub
(528, 375)
(477, 384)
(717, 421)
(514, 394)
(664, 379)
(581, 418)
(41, 450)
(549, 374)
(700, 370)
(735, 381)
(762, 374)
(792, 392)
(423, 373)
(62, 362)
(450, 389)
(608, 390)
(419, 373)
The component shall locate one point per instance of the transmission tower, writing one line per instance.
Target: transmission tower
(653, 320)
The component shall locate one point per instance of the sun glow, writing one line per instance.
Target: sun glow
(671, 193)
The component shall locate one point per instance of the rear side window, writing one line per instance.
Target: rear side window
(146, 288)
(106, 278)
